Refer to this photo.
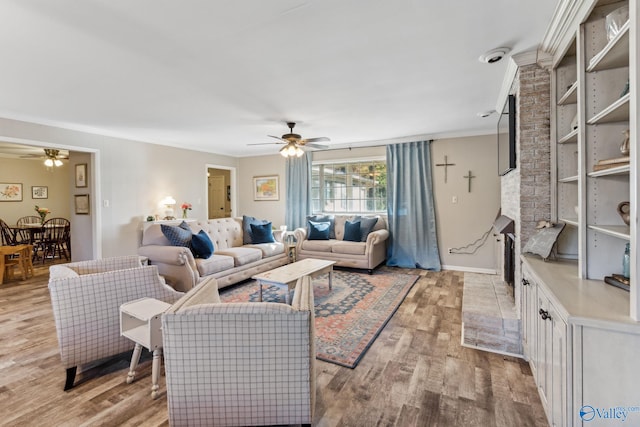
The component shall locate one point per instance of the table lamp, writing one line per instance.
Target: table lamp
(169, 202)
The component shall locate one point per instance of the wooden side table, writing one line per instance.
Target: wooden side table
(140, 321)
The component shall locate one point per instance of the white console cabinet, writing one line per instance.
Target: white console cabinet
(583, 352)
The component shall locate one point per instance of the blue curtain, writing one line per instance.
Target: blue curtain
(298, 178)
(410, 207)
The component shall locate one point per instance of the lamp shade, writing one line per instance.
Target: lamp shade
(168, 201)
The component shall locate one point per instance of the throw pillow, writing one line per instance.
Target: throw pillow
(201, 245)
(246, 227)
(324, 218)
(352, 232)
(177, 236)
(318, 230)
(262, 233)
(366, 225)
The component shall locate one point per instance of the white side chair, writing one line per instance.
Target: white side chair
(239, 364)
(86, 297)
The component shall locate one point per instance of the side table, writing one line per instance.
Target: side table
(140, 321)
(291, 251)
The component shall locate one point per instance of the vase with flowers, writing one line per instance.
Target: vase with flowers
(43, 212)
(185, 207)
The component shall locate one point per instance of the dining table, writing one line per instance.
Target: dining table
(32, 229)
(8, 250)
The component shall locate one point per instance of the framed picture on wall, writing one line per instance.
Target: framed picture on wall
(39, 192)
(81, 175)
(265, 188)
(82, 204)
(10, 192)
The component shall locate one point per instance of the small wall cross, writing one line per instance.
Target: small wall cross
(469, 177)
(446, 164)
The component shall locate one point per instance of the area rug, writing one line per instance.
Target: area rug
(349, 317)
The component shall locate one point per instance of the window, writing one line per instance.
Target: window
(358, 186)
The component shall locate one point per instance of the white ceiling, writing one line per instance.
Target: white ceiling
(216, 75)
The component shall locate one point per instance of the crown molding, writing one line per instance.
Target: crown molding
(564, 24)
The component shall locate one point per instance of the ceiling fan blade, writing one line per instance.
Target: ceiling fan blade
(278, 138)
(319, 139)
(268, 143)
(318, 146)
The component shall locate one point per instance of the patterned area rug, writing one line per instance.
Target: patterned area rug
(349, 317)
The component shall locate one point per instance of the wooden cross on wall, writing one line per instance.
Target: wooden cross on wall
(446, 164)
(469, 177)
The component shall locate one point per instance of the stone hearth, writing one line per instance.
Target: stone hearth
(489, 318)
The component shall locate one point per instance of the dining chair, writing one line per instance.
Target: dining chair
(20, 258)
(6, 235)
(54, 238)
(27, 236)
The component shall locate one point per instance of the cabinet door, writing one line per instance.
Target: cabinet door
(544, 341)
(529, 320)
(558, 385)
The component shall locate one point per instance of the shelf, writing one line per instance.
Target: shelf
(615, 54)
(570, 221)
(570, 96)
(619, 170)
(569, 179)
(616, 112)
(619, 231)
(571, 137)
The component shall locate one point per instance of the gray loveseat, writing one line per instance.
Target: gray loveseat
(366, 255)
(231, 262)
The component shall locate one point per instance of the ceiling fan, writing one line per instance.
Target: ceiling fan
(294, 142)
(52, 157)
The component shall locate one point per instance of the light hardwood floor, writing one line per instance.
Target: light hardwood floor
(415, 374)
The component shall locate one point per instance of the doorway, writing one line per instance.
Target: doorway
(219, 192)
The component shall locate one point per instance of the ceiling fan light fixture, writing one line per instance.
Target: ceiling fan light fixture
(57, 162)
(48, 163)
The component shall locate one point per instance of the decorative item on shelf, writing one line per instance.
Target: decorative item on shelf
(615, 20)
(624, 147)
(624, 210)
(169, 202)
(626, 259)
(185, 207)
(43, 212)
(611, 163)
(619, 281)
(150, 218)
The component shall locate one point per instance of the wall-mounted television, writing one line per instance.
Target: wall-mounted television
(507, 137)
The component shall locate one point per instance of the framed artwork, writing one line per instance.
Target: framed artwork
(265, 188)
(82, 204)
(81, 175)
(39, 192)
(10, 192)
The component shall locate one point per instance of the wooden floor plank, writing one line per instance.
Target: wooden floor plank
(415, 373)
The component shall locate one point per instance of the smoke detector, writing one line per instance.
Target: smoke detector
(494, 55)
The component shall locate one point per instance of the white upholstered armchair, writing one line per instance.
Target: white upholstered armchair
(86, 298)
(239, 364)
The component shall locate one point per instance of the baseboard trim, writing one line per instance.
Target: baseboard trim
(469, 269)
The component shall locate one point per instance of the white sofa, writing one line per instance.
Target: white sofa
(239, 364)
(86, 297)
(231, 262)
(365, 255)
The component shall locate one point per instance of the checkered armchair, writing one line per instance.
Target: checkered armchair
(86, 298)
(239, 364)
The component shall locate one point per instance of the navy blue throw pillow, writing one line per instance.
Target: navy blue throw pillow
(319, 230)
(324, 218)
(201, 245)
(262, 233)
(246, 228)
(177, 236)
(352, 231)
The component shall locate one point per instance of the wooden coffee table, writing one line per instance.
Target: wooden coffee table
(287, 275)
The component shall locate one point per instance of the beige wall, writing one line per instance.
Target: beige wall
(461, 223)
(31, 173)
(250, 167)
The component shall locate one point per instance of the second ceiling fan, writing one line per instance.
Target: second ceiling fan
(293, 143)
